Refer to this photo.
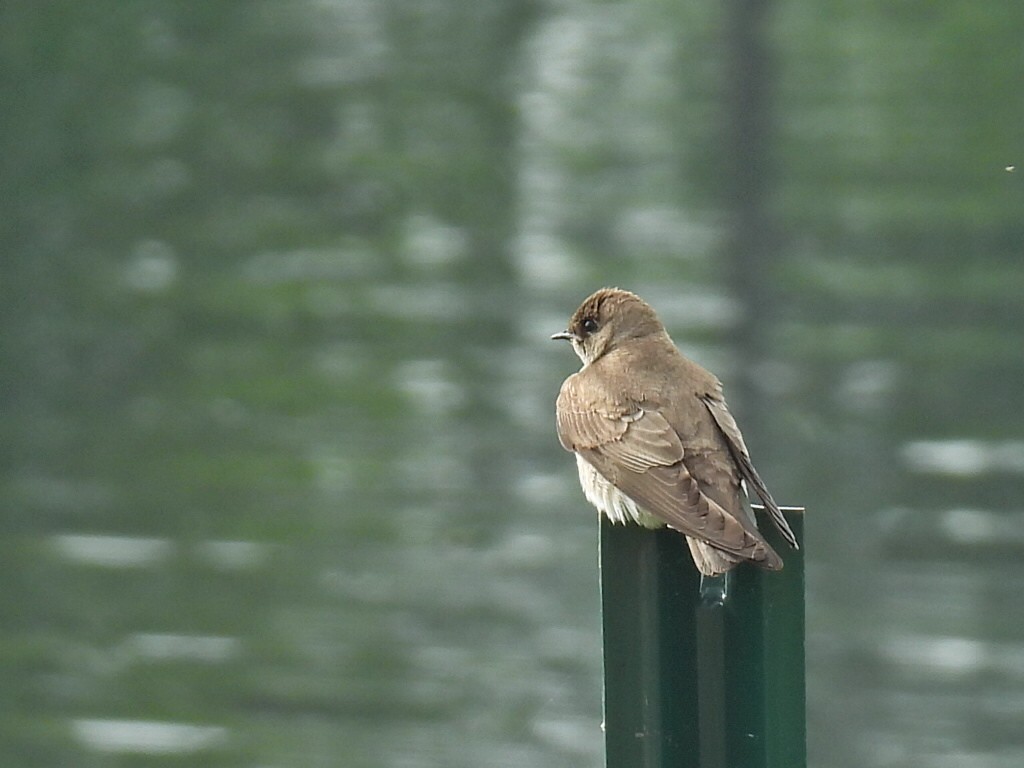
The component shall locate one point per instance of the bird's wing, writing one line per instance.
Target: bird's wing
(727, 424)
(640, 453)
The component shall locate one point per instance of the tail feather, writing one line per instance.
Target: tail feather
(712, 561)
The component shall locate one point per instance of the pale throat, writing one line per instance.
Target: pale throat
(581, 353)
(588, 355)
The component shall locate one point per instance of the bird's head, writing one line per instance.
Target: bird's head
(605, 320)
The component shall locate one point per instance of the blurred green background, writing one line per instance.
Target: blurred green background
(280, 484)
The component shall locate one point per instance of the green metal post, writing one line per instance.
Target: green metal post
(700, 673)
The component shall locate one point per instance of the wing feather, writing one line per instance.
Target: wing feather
(671, 494)
(727, 424)
(639, 452)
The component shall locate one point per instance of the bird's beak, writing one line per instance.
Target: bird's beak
(563, 336)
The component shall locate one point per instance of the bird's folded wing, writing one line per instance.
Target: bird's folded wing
(727, 424)
(640, 453)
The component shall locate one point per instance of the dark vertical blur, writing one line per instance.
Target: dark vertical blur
(751, 247)
(279, 481)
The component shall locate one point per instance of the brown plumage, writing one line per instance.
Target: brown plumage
(653, 438)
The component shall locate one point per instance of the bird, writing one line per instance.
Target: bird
(654, 440)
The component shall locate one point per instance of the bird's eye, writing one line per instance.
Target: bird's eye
(589, 325)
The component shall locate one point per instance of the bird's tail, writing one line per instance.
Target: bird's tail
(712, 561)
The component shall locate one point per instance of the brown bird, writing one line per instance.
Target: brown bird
(653, 438)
